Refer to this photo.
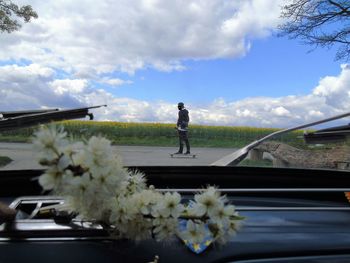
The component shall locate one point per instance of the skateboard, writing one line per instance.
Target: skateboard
(173, 155)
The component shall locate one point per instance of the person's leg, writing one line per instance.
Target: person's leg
(188, 149)
(181, 143)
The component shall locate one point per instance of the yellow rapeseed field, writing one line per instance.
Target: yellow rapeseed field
(114, 130)
(163, 134)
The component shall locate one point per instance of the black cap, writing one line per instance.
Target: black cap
(181, 104)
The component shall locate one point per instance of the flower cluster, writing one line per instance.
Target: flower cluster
(95, 184)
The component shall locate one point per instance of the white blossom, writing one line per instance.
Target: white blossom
(79, 185)
(72, 148)
(122, 212)
(207, 202)
(136, 182)
(221, 235)
(145, 200)
(48, 141)
(51, 178)
(221, 214)
(195, 232)
(95, 184)
(233, 227)
(170, 205)
(63, 162)
(98, 156)
(165, 228)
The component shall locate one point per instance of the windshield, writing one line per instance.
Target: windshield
(177, 83)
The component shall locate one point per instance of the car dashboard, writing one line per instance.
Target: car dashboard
(292, 215)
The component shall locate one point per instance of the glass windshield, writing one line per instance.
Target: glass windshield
(185, 83)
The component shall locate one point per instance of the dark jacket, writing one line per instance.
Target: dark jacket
(183, 120)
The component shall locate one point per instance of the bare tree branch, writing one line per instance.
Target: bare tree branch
(322, 23)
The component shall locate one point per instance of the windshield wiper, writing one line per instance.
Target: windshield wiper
(11, 114)
(21, 119)
(236, 157)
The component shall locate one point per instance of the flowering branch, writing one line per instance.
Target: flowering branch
(92, 179)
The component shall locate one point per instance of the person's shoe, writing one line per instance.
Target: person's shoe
(187, 153)
(178, 153)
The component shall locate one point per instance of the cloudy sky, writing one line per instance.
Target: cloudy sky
(222, 58)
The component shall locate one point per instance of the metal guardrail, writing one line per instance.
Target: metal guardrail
(238, 156)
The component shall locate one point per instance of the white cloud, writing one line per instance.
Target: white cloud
(316, 113)
(34, 86)
(115, 81)
(281, 111)
(62, 86)
(25, 74)
(335, 89)
(93, 37)
(86, 39)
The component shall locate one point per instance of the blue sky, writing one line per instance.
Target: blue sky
(142, 57)
(273, 67)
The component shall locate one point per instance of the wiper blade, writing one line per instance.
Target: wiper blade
(11, 114)
(236, 157)
(31, 118)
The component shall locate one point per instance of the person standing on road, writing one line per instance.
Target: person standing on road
(182, 128)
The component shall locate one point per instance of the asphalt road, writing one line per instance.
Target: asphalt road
(24, 157)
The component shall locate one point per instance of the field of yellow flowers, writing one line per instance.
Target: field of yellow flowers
(158, 134)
